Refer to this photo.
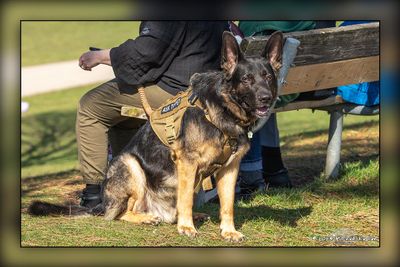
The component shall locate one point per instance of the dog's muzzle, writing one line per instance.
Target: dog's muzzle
(264, 103)
(263, 111)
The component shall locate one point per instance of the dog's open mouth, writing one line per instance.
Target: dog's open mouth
(262, 111)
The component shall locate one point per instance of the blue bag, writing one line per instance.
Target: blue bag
(366, 94)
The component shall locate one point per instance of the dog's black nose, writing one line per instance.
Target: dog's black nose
(264, 98)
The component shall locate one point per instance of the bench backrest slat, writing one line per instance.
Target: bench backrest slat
(326, 45)
(327, 75)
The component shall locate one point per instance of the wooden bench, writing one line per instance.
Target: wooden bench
(326, 58)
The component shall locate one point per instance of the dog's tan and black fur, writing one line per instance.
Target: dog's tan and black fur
(151, 183)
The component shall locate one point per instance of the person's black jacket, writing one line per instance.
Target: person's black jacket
(167, 53)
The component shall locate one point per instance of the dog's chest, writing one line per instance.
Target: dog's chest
(227, 155)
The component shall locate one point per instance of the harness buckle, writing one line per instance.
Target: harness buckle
(192, 99)
(170, 130)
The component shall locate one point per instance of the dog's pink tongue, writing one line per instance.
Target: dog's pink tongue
(261, 112)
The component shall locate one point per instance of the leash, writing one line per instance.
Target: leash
(145, 103)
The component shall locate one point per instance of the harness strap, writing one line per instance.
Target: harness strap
(230, 144)
(167, 128)
(170, 129)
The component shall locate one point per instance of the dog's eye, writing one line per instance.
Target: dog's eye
(247, 78)
(266, 76)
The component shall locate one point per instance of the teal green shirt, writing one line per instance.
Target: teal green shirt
(254, 28)
(250, 28)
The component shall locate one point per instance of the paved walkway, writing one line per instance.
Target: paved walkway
(60, 75)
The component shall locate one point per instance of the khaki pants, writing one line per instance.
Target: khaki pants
(99, 122)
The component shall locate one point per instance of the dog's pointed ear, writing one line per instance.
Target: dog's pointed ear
(231, 53)
(273, 50)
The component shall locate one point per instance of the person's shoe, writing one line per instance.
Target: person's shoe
(250, 182)
(278, 179)
(91, 196)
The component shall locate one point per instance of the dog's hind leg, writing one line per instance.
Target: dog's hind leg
(132, 215)
(125, 187)
(140, 218)
(128, 210)
(114, 206)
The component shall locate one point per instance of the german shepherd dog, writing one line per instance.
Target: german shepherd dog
(149, 182)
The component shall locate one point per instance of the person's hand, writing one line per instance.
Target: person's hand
(91, 59)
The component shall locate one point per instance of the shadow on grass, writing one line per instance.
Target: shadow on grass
(284, 216)
(368, 189)
(35, 183)
(305, 170)
(306, 161)
(315, 133)
(47, 136)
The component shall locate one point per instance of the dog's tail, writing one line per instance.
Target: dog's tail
(40, 208)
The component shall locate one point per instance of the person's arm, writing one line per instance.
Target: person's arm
(91, 59)
(145, 59)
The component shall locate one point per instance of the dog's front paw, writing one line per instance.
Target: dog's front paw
(190, 231)
(233, 236)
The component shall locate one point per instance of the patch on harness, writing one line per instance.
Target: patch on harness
(172, 106)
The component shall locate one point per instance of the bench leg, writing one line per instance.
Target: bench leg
(332, 164)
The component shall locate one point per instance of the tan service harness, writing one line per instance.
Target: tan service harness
(166, 121)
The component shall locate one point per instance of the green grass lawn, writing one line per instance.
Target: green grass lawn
(53, 41)
(307, 215)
